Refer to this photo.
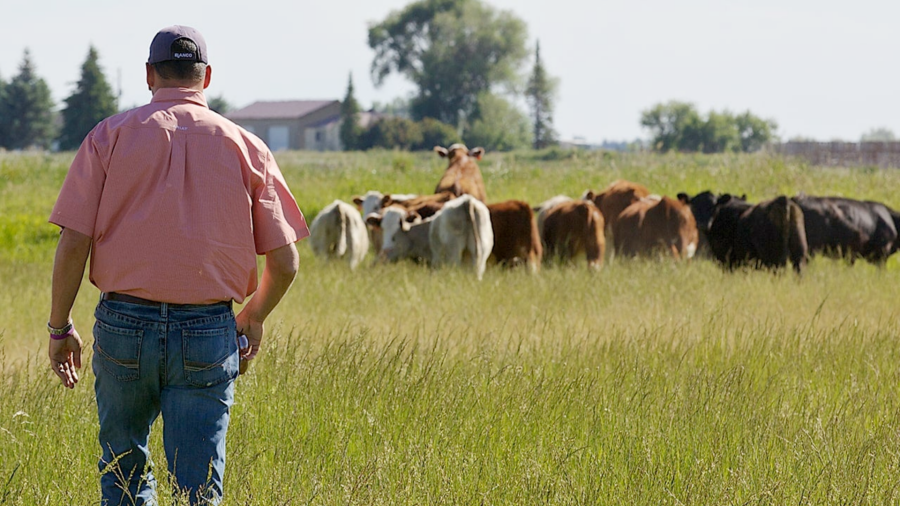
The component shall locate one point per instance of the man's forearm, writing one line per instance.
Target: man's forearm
(68, 270)
(278, 274)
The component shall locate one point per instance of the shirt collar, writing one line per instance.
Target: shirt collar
(179, 95)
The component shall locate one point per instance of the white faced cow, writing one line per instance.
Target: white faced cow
(339, 232)
(373, 202)
(461, 229)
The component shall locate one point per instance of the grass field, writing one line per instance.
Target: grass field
(648, 383)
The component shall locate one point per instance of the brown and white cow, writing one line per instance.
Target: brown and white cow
(462, 175)
(516, 239)
(574, 227)
(373, 202)
(541, 210)
(615, 198)
(654, 225)
(422, 205)
(459, 231)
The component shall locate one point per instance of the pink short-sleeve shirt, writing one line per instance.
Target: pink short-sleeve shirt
(178, 202)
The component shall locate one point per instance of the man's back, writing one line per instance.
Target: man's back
(180, 186)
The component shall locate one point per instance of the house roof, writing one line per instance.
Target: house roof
(279, 109)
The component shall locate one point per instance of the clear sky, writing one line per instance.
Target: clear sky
(823, 69)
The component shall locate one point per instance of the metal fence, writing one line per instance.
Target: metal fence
(844, 154)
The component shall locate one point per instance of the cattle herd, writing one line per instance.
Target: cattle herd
(454, 226)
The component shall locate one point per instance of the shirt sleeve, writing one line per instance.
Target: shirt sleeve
(79, 199)
(277, 220)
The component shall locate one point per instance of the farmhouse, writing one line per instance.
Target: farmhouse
(293, 124)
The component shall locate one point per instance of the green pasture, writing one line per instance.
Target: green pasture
(646, 383)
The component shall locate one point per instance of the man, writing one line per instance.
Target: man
(173, 203)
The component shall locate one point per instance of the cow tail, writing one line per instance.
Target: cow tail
(476, 230)
(797, 244)
(341, 248)
(895, 217)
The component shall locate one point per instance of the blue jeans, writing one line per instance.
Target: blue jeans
(178, 361)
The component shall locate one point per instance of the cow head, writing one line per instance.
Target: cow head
(369, 203)
(391, 221)
(457, 150)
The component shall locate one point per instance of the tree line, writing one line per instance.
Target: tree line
(27, 117)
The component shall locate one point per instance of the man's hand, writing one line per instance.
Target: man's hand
(281, 267)
(253, 330)
(65, 358)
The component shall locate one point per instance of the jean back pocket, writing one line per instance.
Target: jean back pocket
(118, 350)
(210, 355)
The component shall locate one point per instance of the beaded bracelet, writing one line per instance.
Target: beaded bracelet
(60, 338)
(60, 334)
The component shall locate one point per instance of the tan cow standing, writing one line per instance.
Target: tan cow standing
(574, 227)
(462, 175)
(652, 226)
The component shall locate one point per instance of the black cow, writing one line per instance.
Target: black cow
(874, 226)
(828, 229)
(703, 205)
(767, 234)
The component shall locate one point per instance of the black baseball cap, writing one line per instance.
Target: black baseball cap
(161, 47)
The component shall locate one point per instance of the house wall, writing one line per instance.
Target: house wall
(326, 137)
(296, 126)
(261, 127)
(298, 137)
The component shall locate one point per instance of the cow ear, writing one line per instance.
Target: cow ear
(386, 200)
(358, 201)
(441, 151)
(477, 153)
(588, 195)
(411, 219)
(724, 199)
(684, 198)
(744, 197)
(373, 219)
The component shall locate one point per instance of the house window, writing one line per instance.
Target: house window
(320, 136)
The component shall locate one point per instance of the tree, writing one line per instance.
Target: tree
(91, 102)
(882, 134)
(26, 112)
(539, 93)
(675, 125)
(452, 50)
(755, 132)
(350, 127)
(500, 125)
(678, 126)
(719, 133)
(392, 133)
(3, 141)
(435, 133)
(219, 104)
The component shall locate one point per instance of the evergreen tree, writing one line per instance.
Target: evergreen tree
(219, 104)
(92, 101)
(350, 129)
(539, 93)
(26, 111)
(3, 121)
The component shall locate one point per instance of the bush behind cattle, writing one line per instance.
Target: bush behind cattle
(649, 383)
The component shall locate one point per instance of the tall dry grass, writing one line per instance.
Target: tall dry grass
(648, 383)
